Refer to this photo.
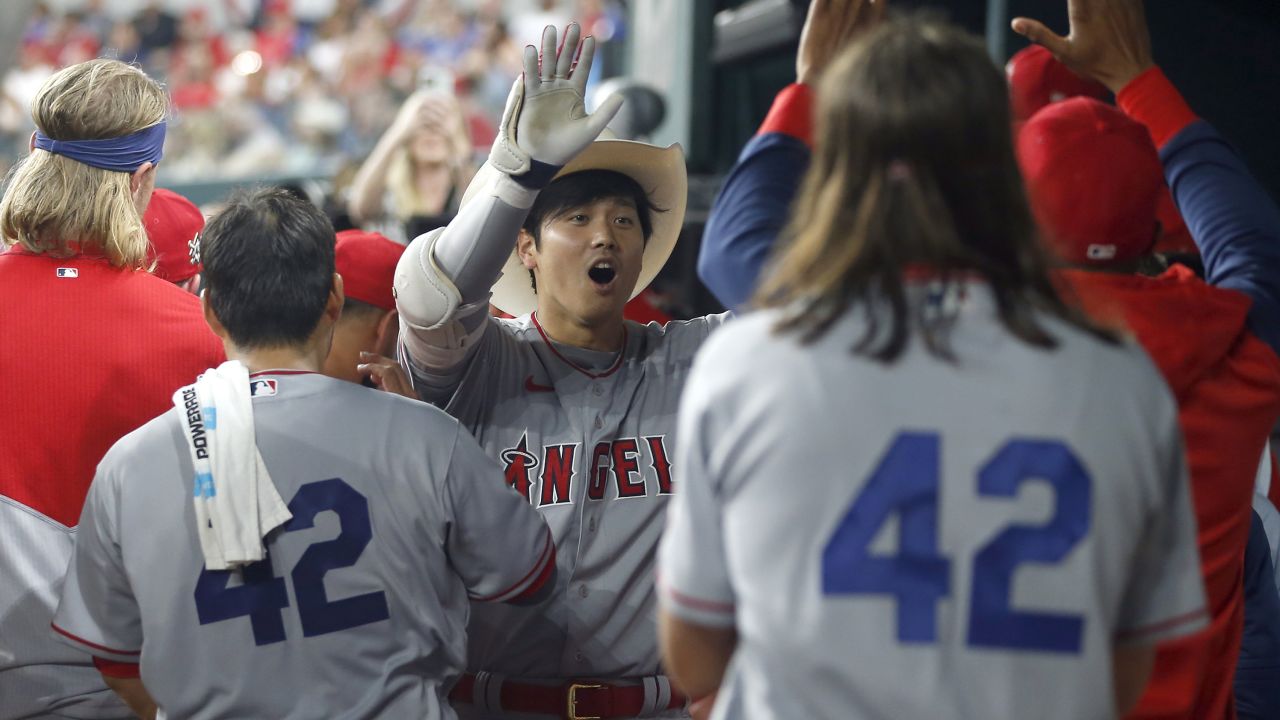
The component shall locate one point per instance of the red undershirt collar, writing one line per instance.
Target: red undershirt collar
(283, 372)
(617, 363)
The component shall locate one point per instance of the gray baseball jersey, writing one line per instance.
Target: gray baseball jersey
(929, 538)
(360, 609)
(588, 438)
(40, 678)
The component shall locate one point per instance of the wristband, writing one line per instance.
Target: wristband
(540, 175)
(1154, 101)
(791, 114)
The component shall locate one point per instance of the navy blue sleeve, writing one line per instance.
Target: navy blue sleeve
(749, 214)
(1257, 681)
(1234, 222)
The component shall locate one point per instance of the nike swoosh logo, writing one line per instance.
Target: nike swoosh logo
(532, 386)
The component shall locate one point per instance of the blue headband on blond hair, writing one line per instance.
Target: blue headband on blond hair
(121, 154)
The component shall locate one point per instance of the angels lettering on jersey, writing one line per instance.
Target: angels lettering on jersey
(615, 469)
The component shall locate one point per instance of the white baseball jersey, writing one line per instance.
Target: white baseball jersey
(359, 610)
(588, 437)
(929, 539)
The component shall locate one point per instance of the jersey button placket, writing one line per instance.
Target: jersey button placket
(596, 389)
(583, 591)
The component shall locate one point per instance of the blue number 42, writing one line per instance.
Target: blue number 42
(906, 482)
(263, 597)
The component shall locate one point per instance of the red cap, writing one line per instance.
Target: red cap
(367, 263)
(1037, 79)
(1094, 178)
(173, 226)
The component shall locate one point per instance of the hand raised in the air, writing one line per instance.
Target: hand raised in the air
(1108, 41)
(829, 26)
(546, 122)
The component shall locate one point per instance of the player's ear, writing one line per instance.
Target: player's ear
(333, 306)
(388, 333)
(139, 177)
(527, 249)
(211, 317)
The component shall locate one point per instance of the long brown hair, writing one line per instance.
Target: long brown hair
(913, 168)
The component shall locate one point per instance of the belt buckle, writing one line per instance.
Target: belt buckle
(571, 712)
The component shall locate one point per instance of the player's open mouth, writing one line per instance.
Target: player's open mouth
(602, 274)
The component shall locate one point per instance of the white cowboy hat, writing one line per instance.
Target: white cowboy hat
(659, 171)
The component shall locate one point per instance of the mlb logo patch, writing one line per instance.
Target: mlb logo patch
(262, 388)
(1100, 252)
(68, 273)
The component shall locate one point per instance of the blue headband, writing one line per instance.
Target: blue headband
(121, 154)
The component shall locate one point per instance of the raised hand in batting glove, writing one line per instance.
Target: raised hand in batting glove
(545, 123)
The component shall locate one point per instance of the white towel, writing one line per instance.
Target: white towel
(235, 501)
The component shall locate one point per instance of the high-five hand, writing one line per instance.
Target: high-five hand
(545, 123)
(828, 27)
(1109, 40)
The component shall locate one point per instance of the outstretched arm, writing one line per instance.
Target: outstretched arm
(752, 209)
(443, 279)
(1233, 221)
(754, 203)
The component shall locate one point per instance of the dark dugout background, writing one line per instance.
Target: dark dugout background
(1224, 55)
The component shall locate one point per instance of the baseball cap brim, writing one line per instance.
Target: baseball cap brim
(660, 171)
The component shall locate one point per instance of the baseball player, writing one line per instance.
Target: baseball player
(1094, 176)
(355, 606)
(369, 324)
(173, 226)
(981, 506)
(91, 347)
(577, 403)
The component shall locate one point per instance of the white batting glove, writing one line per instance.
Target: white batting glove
(545, 123)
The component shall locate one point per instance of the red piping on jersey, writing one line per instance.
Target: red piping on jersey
(95, 646)
(594, 376)
(548, 569)
(283, 372)
(1163, 625)
(920, 272)
(697, 603)
(114, 669)
(539, 568)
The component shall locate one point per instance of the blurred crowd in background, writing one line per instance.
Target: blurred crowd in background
(260, 90)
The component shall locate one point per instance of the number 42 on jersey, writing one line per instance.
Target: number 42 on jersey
(906, 483)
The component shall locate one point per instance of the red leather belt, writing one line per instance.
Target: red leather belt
(574, 700)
